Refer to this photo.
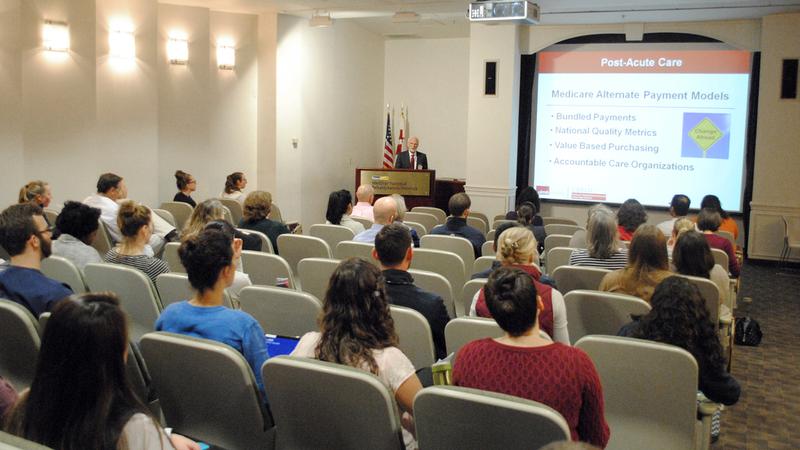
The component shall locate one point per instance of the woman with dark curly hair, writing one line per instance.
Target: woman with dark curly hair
(679, 317)
(630, 215)
(357, 330)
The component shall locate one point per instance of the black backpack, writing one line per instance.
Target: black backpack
(748, 332)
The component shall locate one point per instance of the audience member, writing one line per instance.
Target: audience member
(257, 206)
(80, 397)
(136, 225)
(678, 209)
(401, 215)
(523, 364)
(385, 211)
(647, 265)
(496, 263)
(603, 247)
(340, 206)
(234, 185)
(240, 279)
(681, 226)
(37, 192)
(727, 223)
(708, 222)
(394, 252)
(692, 256)
(365, 195)
(517, 248)
(208, 258)
(630, 215)
(186, 185)
(578, 239)
(77, 224)
(456, 224)
(527, 194)
(209, 211)
(25, 236)
(526, 213)
(356, 329)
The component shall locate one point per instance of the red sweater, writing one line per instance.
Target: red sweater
(559, 376)
(716, 241)
(624, 235)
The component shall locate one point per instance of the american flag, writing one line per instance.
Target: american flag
(388, 154)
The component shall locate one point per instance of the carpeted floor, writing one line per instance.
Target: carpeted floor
(767, 415)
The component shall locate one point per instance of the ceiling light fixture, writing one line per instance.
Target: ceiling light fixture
(405, 17)
(320, 21)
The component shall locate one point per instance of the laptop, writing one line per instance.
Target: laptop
(280, 345)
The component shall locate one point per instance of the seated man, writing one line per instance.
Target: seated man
(365, 195)
(26, 237)
(393, 251)
(678, 209)
(456, 224)
(385, 212)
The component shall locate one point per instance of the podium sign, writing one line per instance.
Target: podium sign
(404, 182)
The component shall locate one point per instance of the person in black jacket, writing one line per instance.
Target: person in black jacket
(394, 252)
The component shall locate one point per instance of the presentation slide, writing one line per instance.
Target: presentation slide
(613, 124)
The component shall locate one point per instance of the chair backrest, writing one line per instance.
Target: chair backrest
(235, 208)
(332, 234)
(350, 249)
(227, 215)
(11, 442)
(138, 296)
(180, 211)
(487, 249)
(561, 228)
(499, 222)
(557, 257)
(275, 213)
(650, 391)
(483, 263)
(456, 244)
(414, 336)
(438, 284)
(363, 221)
(266, 269)
(447, 264)
(440, 215)
(482, 216)
(19, 335)
(478, 224)
(102, 242)
(266, 244)
(727, 235)
(462, 330)
(294, 247)
(556, 240)
(499, 217)
(315, 274)
(596, 312)
(51, 215)
(281, 311)
(558, 220)
(465, 301)
(490, 234)
(175, 287)
(710, 293)
(221, 406)
(418, 227)
(427, 220)
(171, 257)
(63, 270)
(570, 278)
(319, 404)
(720, 257)
(166, 215)
(456, 417)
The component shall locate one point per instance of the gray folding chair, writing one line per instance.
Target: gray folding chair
(427, 220)
(180, 211)
(316, 274)
(171, 257)
(440, 215)
(456, 244)
(175, 287)
(557, 257)
(727, 235)
(596, 312)
(471, 287)
(570, 278)
(266, 269)
(499, 217)
(294, 247)
(483, 263)
(235, 208)
(447, 264)
(332, 234)
(11, 442)
(491, 234)
(561, 228)
(102, 242)
(363, 221)
(63, 270)
(418, 227)
(499, 222)
(221, 404)
(710, 293)
(414, 334)
(51, 215)
(166, 215)
(452, 417)
(478, 224)
(555, 240)
(482, 216)
(275, 213)
(462, 330)
(266, 244)
(487, 249)
(720, 257)
(438, 284)
(281, 311)
(351, 249)
(558, 220)
(19, 335)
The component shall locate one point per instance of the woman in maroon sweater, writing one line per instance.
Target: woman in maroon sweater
(708, 223)
(523, 364)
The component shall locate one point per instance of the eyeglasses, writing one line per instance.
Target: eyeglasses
(47, 230)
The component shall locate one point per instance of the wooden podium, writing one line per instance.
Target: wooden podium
(418, 187)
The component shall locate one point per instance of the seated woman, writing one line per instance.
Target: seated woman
(234, 185)
(708, 222)
(80, 397)
(209, 211)
(526, 216)
(692, 256)
(647, 265)
(523, 364)
(136, 226)
(679, 317)
(357, 330)
(630, 215)
(37, 192)
(256, 209)
(528, 194)
(208, 259)
(680, 226)
(340, 205)
(186, 185)
(77, 225)
(401, 214)
(603, 248)
(517, 248)
(727, 223)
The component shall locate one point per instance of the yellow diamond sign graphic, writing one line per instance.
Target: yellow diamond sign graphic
(705, 134)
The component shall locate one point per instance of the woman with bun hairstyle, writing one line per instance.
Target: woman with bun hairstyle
(136, 226)
(186, 185)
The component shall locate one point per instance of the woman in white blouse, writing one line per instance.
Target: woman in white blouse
(234, 187)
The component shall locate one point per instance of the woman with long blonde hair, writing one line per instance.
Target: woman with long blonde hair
(647, 266)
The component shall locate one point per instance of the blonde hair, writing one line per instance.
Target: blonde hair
(401, 206)
(132, 216)
(205, 212)
(682, 226)
(33, 189)
(257, 205)
(517, 245)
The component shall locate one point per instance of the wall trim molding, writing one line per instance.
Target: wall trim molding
(766, 230)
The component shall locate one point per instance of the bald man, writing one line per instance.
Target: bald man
(385, 211)
(365, 195)
(412, 159)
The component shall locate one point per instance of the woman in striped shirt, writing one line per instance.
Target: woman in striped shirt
(135, 223)
(602, 242)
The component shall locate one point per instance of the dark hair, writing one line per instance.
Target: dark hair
(526, 211)
(221, 225)
(204, 256)
(355, 316)
(712, 201)
(529, 194)
(257, 205)
(500, 229)
(392, 243)
(107, 181)
(80, 397)
(709, 219)
(459, 203)
(17, 226)
(679, 317)
(231, 182)
(132, 216)
(692, 255)
(182, 179)
(511, 298)
(680, 204)
(78, 220)
(631, 214)
(338, 201)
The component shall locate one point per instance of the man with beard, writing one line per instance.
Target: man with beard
(25, 235)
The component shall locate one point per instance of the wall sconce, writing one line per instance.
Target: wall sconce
(226, 54)
(55, 36)
(177, 49)
(320, 21)
(121, 41)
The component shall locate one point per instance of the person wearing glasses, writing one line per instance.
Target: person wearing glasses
(186, 185)
(26, 237)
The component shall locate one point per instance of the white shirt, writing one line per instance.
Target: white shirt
(109, 209)
(235, 195)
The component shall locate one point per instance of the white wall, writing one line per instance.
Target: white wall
(10, 101)
(430, 76)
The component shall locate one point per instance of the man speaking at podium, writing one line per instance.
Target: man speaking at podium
(412, 159)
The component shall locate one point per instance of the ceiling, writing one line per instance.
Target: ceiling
(447, 18)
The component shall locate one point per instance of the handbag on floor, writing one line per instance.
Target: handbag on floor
(748, 332)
